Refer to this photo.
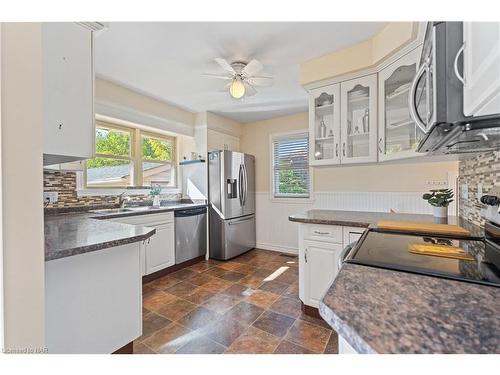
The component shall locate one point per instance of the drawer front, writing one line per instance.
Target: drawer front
(148, 219)
(324, 233)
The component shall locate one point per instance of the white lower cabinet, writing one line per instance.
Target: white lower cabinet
(345, 347)
(93, 301)
(320, 247)
(320, 259)
(158, 252)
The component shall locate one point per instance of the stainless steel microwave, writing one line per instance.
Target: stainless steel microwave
(436, 98)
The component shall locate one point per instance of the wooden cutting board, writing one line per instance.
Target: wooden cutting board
(422, 228)
(444, 251)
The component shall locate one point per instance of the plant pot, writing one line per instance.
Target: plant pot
(156, 201)
(440, 211)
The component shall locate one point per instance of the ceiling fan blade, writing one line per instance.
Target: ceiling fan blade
(261, 81)
(225, 65)
(252, 68)
(226, 87)
(218, 76)
(249, 89)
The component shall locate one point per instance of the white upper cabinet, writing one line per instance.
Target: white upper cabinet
(398, 134)
(324, 125)
(68, 84)
(221, 141)
(481, 74)
(358, 102)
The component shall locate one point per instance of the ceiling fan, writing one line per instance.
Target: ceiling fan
(242, 76)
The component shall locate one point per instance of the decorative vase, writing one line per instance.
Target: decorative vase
(440, 211)
(156, 201)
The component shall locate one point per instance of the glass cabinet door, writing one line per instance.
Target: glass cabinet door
(359, 120)
(324, 125)
(399, 136)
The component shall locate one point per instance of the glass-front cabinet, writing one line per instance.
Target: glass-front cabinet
(358, 101)
(324, 125)
(398, 134)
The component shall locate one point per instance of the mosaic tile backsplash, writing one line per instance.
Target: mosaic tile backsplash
(65, 185)
(480, 168)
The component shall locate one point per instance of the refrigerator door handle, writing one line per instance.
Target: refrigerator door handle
(245, 185)
(240, 184)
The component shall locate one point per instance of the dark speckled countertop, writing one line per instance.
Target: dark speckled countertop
(384, 311)
(370, 219)
(71, 234)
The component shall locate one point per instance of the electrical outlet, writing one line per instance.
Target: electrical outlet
(50, 197)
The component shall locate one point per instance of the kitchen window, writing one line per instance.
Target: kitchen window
(291, 177)
(126, 156)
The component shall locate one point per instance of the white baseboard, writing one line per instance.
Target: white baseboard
(277, 248)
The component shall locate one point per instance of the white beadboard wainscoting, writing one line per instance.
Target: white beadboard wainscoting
(276, 232)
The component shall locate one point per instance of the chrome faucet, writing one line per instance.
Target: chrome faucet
(122, 198)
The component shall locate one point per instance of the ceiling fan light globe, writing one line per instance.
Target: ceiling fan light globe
(237, 89)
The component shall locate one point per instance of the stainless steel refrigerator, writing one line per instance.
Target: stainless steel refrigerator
(231, 192)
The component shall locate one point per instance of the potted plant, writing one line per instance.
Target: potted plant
(440, 199)
(155, 193)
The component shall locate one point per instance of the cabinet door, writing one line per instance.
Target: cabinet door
(160, 250)
(324, 125)
(358, 116)
(481, 68)
(320, 260)
(68, 82)
(398, 134)
(231, 143)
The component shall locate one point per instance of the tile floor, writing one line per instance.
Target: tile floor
(249, 304)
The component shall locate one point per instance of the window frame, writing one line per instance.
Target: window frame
(135, 158)
(288, 198)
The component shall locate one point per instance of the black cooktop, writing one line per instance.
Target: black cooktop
(391, 251)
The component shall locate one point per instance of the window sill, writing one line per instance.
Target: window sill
(292, 200)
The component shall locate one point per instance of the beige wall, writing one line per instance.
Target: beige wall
(22, 212)
(224, 124)
(136, 107)
(360, 56)
(407, 176)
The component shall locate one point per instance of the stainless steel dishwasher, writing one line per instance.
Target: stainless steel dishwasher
(190, 233)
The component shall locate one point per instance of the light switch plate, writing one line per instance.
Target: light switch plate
(464, 191)
(50, 196)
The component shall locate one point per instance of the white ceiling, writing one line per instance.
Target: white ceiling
(166, 60)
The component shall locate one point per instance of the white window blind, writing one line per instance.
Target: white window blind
(291, 166)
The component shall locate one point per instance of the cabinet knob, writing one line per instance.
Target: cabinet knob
(343, 148)
(305, 255)
(60, 125)
(336, 150)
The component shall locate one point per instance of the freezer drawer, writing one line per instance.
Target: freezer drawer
(232, 237)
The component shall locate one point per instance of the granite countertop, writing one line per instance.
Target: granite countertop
(73, 233)
(370, 219)
(384, 311)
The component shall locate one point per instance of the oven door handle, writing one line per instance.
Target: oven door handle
(344, 254)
